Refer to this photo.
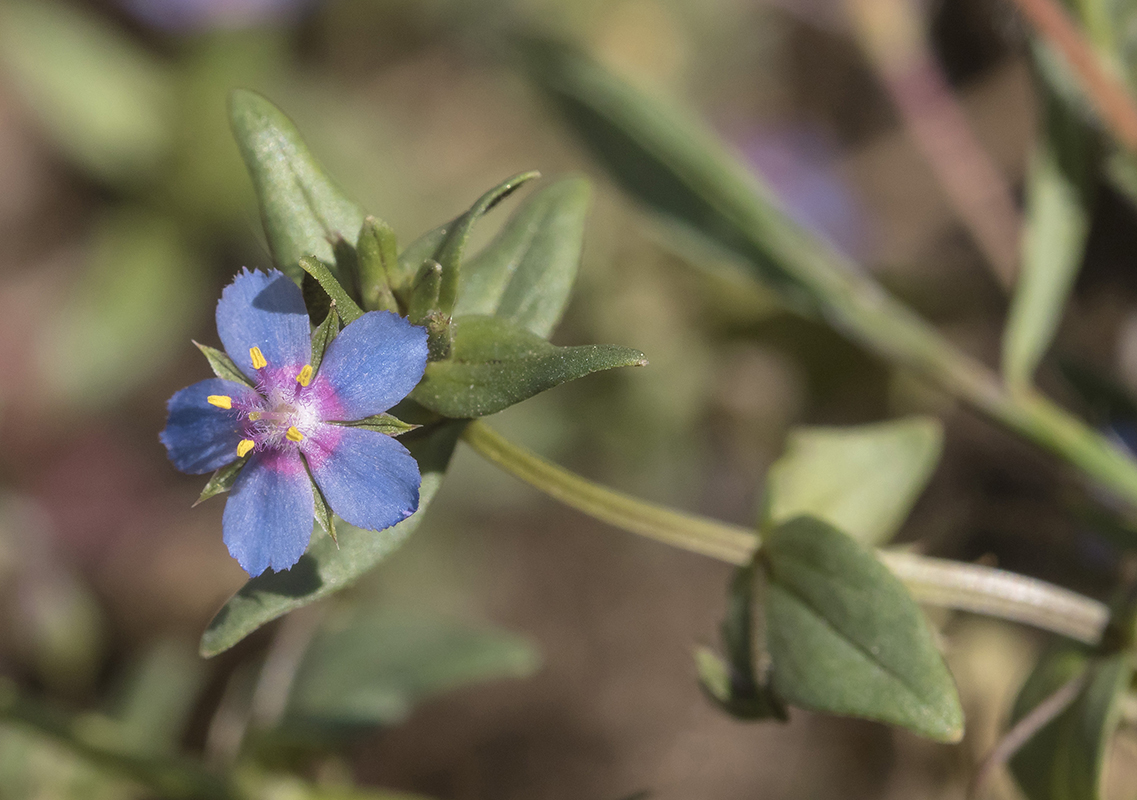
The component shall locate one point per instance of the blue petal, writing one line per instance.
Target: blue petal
(268, 517)
(374, 363)
(368, 478)
(200, 437)
(265, 311)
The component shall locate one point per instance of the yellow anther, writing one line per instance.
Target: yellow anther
(259, 360)
(305, 376)
(244, 447)
(254, 416)
(220, 400)
(293, 435)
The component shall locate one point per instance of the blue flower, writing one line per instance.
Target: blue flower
(284, 423)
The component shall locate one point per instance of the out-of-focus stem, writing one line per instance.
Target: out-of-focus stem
(949, 584)
(1113, 103)
(892, 35)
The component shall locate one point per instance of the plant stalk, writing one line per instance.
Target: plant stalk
(933, 581)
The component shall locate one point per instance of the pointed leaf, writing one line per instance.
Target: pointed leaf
(862, 480)
(221, 481)
(377, 253)
(326, 568)
(383, 423)
(411, 260)
(495, 364)
(1066, 758)
(1059, 202)
(347, 309)
(424, 292)
(303, 211)
(525, 275)
(222, 365)
(846, 637)
(323, 336)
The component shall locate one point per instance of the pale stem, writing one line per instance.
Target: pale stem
(933, 581)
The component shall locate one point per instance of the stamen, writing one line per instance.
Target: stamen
(259, 360)
(220, 400)
(254, 416)
(305, 376)
(244, 447)
(293, 435)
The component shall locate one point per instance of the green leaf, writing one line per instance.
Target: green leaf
(221, 481)
(449, 253)
(326, 568)
(861, 480)
(411, 260)
(156, 704)
(222, 365)
(370, 668)
(345, 306)
(383, 423)
(846, 637)
(323, 336)
(424, 293)
(525, 275)
(106, 101)
(1059, 200)
(377, 254)
(1066, 758)
(302, 210)
(495, 364)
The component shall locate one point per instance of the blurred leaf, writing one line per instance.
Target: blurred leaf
(159, 697)
(670, 162)
(303, 211)
(378, 259)
(222, 365)
(257, 783)
(734, 684)
(348, 311)
(449, 253)
(326, 568)
(495, 364)
(1058, 205)
(107, 102)
(370, 669)
(862, 480)
(129, 311)
(1065, 760)
(846, 637)
(221, 481)
(526, 274)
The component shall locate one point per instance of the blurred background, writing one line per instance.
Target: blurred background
(125, 208)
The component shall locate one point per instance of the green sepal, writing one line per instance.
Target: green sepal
(348, 310)
(316, 300)
(495, 364)
(221, 481)
(325, 332)
(323, 512)
(302, 209)
(222, 366)
(384, 423)
(449, 253)
(845, 636)
(378, 260)
(424, 292)
(734, 684)
(410, 261)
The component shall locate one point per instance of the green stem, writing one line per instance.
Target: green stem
(933, 581)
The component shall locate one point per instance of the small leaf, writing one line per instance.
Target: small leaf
(1059, 200)
(371, 668)
(449, 253)
(222, 365)
(324, 517)
(303, 211)
(525, 275)
(862, 480)
(1066, 758)
(424, 293)
(345, 306)
(326, 568)
(323, 336)
(495, 364)
(411, 260)
(377, 252)
(221, 481)
(846, 637)
(383, 423)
